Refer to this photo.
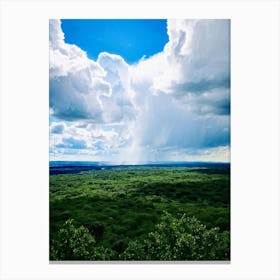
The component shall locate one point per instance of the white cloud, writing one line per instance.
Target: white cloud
(171, 106)
(82, 138)
(195, 64)
(118, 106)
(81, 88)
(182, 94)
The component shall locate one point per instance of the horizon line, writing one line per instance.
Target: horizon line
(138, 163)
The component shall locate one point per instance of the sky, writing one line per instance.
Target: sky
(134, 91)
(131, 39)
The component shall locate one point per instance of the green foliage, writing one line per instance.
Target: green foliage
(116, 208)
(180, 239)
(73, 243)
(96, 229)
(120, 245)
(184, 238)
(76, 243)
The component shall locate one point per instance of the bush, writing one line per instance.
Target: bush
(180, 239)
(76, 243)
(72, 243)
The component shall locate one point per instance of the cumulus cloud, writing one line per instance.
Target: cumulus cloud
(183, 93)
(83, 89)
(174, 105)
(84, 139)
(119, 105)
(194, 67)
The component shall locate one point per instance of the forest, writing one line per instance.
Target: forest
(142, 213)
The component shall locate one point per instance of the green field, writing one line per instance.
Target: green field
(141, 213)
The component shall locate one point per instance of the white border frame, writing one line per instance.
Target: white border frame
(254, 138)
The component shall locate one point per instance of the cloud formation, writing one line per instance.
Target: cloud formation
(194, 67)
(57, 128)
(72, 143)
(83, 89)
(175, 104)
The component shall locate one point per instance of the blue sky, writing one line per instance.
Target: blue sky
(131, 39)
(130, 91)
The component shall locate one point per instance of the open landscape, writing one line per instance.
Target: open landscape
(143, 212)
(139, 151)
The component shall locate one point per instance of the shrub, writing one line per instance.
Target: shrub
(72, 243)
(185, 238)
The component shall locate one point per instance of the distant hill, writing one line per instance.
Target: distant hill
(64, 167)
